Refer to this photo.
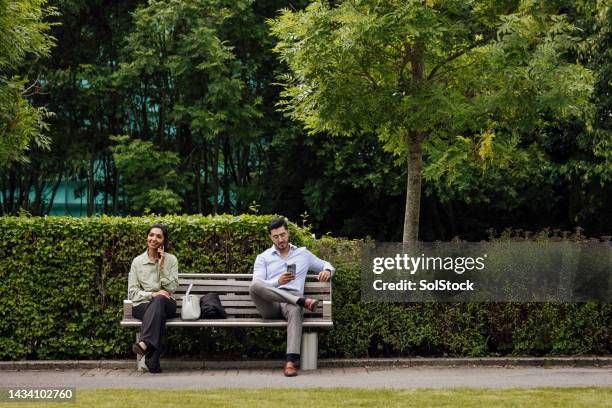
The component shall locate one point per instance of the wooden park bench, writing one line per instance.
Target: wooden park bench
(233, 290)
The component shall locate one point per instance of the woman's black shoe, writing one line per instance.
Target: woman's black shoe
(138, 351)
(152, 363)
(154, 371)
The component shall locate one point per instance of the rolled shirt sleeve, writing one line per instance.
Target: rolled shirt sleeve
(318, 265)
(135, 292)
(260, 272)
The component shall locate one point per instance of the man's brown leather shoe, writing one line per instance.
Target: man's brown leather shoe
(311, 304)
(289, 370)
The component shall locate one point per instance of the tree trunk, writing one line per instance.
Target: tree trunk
(66, 209)
(226, 176)
(215, 177)
(198, 186)
(24, 196)
(90, 187)
(37, 204)
(107, 176)
(144, 112)
(115, 188)
(205, 180)
(162, 119)
(414, 142)
(243, 176)
(3, 208)
(413, 190)
(53, 192)
(12, 186)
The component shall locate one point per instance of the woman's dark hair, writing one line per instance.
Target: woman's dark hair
(164, 230)
(277, 223)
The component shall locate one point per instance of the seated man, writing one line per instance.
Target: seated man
(278, 286)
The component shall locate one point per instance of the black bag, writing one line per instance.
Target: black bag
(211, 308)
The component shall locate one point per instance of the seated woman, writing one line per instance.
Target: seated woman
(152, 280)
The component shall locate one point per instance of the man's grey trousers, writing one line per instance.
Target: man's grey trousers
(275, 303)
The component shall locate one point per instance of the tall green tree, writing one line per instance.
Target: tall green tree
(188, 94)
(584, 149)
(431, 75)
(24, 34)
(150, 179)
(76, 84)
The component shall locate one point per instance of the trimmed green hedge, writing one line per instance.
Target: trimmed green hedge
(454, 329)
(63, 280)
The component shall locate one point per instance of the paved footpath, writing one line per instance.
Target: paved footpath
(354, 377)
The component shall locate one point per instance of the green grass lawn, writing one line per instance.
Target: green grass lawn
(336, 397)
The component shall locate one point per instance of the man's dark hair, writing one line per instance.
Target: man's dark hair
(277, 223)
(162, 227)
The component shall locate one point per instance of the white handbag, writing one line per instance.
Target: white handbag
(190, 309)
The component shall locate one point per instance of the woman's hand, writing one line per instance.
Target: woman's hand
(162, 256)
(162, 293)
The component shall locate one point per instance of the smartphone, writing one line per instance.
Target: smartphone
(291, 269)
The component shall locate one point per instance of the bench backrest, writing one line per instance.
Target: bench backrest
(233, 290)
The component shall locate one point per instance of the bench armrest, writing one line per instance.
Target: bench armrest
(327, 309)
(127, 309)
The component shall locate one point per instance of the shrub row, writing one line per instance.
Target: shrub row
(63, 280)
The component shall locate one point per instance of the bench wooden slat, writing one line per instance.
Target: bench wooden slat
(242, 322)
(189, 275)
(232, 296)
(239, 312)
(243, 300)
(184, 284)
(211, 282)
(248, 308)
(242, 311)
(238, 303)
(223, 297)
(198, 290)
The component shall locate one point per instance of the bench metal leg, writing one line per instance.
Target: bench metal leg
(310, 350)
(140, 365)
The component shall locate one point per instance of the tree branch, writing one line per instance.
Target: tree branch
(454, 69)
(368, 75)
(33, 89)
(405, 60)
(487, 38)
